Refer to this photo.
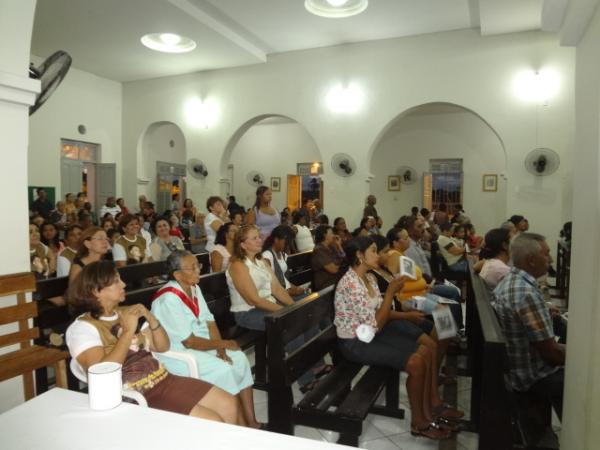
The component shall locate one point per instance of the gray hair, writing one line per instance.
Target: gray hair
(174, 262)
(523, 246)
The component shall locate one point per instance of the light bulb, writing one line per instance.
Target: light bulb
(337, 2)
(170, 38)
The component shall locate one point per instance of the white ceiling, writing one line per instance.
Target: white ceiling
(103, 36)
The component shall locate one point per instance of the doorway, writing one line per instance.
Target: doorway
(303, 188)
(171, 180)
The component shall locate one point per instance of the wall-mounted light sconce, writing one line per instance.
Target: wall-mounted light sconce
(345, 100)
(201, 114)
(538, 86)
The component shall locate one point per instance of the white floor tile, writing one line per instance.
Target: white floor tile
(261, 411)
(329, 436)
(407, 441)
(470, 441)
(308, 433)
(370, 431)
(259, 396)
(379, 444)
(390, 425)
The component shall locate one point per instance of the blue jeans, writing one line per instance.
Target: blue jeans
(460, 266)
(254, 319)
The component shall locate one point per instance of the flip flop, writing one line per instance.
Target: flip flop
(448, 412)
(431, 431)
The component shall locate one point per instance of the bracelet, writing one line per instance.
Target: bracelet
(156, 327)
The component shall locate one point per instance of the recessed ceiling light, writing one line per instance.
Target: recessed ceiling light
(168, 43)
(336, 8)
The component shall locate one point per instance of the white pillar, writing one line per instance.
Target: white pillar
(581, 412)
(17, 92)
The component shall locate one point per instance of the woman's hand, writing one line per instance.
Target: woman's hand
(222, 354)
(395, 286)
(229, 345)
(128, 319)
(143, 312)
(415, 317)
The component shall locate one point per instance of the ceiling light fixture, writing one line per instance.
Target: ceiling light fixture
(336, 9)
(168, 43)
(345, 100)
(536, 86)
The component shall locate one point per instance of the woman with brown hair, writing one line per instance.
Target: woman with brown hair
(262, 214)
(93, 247)
(103, 332)
(217, 216)
(131, 247)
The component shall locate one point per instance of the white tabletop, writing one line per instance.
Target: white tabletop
(62, 420)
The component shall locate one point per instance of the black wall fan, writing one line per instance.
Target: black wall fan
(50, 73)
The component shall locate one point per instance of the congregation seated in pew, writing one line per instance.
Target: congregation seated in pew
(181, 309)
(103, 331)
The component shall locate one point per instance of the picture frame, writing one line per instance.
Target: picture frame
(276, 184)
(408, 268)
(393, 183)
(490, 182)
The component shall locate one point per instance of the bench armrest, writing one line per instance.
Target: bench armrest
(184, 357)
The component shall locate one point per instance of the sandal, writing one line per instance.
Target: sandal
(448, 412)
(447, 425)
(327, 368)
(431, 431)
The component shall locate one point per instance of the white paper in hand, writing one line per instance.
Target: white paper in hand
(408, 268)
(444, 323)
(365, 333)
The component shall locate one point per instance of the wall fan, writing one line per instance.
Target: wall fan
(197, 169)
(255, 178)
(50, 73)
(343, 165)
(542, 161)
(408, 175)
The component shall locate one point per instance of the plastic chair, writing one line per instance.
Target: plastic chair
(182, 357)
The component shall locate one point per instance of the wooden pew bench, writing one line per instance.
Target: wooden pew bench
(342, 400)
(299, 268)
(505, 419)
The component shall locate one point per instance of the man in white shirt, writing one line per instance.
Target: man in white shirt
(110, 207)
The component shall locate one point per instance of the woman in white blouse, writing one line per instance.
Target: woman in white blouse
(220, 256)
(217, 216)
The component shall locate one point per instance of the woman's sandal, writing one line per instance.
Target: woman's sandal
(327, 368)
(447, 425)
(448, 412)
(431, 431)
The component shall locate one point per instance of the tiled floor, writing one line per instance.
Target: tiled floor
(383, 433)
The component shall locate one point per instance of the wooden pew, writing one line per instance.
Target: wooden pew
(439, 266)
(498, 413)
(334, 404)
(299, 268)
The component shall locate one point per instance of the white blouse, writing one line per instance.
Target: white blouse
(261, 275)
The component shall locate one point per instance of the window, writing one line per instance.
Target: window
(446, 182)
(83, 151)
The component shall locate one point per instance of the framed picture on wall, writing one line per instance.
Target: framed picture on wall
(393, 183)
(276, 184)
(490, 182)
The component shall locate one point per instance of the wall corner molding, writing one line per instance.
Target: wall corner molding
(18, 89)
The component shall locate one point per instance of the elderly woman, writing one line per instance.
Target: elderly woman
(220, 256)
(255, 291)
(103, 331)
(93, 247)
(262, 214)
(359, 303)
(182, 311)
(164, 243)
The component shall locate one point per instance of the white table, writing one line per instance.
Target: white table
(62, 420)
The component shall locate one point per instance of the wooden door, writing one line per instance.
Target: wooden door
(294, 192)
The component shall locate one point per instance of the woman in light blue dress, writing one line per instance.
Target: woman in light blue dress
(182, 311)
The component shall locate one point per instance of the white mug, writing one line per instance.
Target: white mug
(105, 386)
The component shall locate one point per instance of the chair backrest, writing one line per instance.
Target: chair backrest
(288, 323)
(18, 284)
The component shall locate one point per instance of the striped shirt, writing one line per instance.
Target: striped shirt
(525, 319)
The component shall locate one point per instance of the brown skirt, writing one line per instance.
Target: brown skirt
(177, 394)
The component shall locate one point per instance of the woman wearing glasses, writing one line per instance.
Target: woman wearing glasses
(182, 311)
(93, 246)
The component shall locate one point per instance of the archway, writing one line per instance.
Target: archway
(273, 145)
(161, 142)
(440, 131)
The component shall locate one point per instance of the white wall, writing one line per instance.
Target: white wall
(154, 146)
(581, 411)
(274, 150)
(17, 92)
(418, 137)
(82, 98)
(459, 67)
